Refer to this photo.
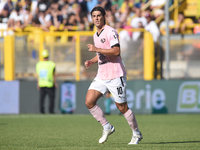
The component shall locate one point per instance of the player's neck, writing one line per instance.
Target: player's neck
(100, 29)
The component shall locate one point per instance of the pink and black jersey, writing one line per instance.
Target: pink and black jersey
(110, 67)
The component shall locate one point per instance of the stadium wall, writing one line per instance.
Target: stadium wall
(144, 97)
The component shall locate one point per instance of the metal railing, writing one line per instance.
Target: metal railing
(70, 54)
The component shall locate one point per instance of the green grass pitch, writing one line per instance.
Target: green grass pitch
(82, 132)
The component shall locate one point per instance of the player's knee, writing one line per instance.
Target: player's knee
(123, 108)
(88, 104)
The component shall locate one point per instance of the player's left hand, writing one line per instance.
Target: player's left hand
(92, 48)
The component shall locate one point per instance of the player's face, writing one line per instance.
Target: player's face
(98, 19)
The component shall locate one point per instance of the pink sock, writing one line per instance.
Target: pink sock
(98, 114)
(130, 117)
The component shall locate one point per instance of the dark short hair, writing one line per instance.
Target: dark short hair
(98, 8)
(17, 8)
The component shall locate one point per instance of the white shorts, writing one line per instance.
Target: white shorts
(117, 87)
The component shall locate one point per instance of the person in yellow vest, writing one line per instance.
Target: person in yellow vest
(46, 81)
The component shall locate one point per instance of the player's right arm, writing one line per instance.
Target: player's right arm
(89, 63)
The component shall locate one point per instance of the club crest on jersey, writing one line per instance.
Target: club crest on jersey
(103, 40)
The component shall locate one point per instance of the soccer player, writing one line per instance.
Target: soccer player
(111, 76)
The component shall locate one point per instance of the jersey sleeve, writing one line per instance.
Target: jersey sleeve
(113, 37)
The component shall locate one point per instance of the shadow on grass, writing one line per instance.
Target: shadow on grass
(173, 142)
(3, 124)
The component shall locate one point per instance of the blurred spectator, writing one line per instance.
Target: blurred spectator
(14, 17)
(138, 18)
(88, 25)
(106, 4)
(63, 2)
(140, 3)
(43, 13)
(115, 10)
(126, 5)
(72, 6)
(82, 27)
(197, 27)
(36, 22)
(124, 34)
(138, 34)
(127, 27)
(127, 14)
(27, 16)
(162, 26)
(43, 7)
(124, 37)
(71, 22)
(111, 20)
(26, 4)
(64, 12)
(79, 13)
(144, 12)
(83, 5)
(116, 4)
(2, 4)
(5, 12)
(91, 4)
(55, 5)
(44, 21)
(34, 4)
(152, 28)
(56, 16)
(182, 23)
(157, 6)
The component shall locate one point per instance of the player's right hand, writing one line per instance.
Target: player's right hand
(88, 63)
